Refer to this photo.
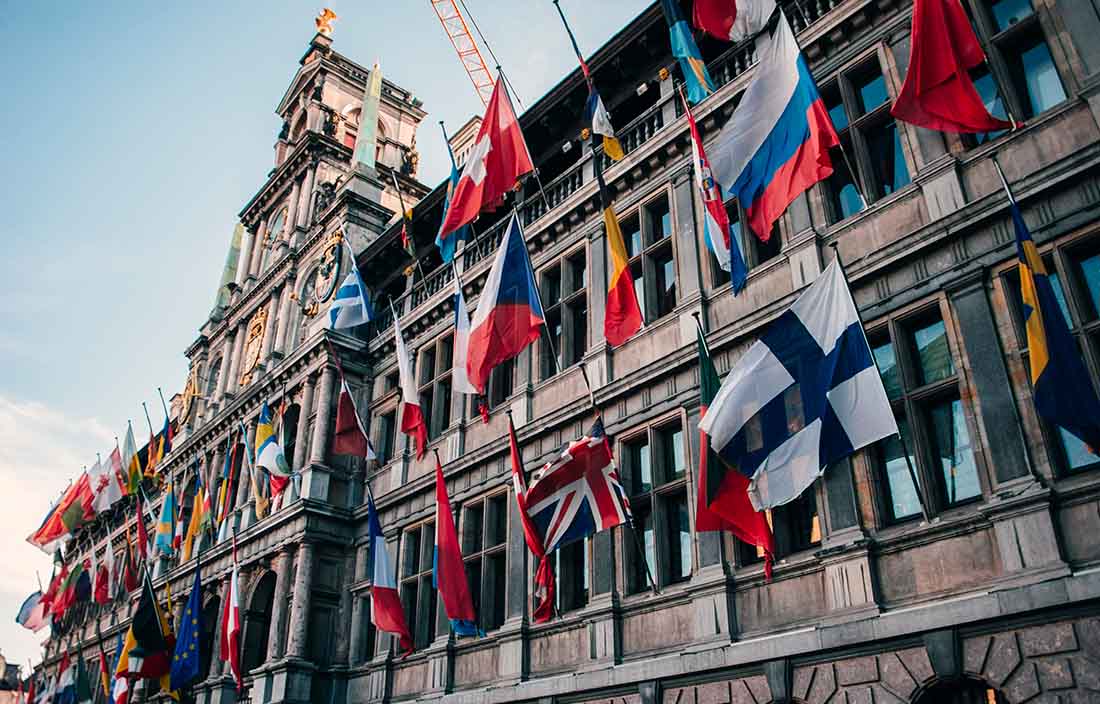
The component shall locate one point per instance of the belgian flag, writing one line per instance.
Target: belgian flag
(624, 316)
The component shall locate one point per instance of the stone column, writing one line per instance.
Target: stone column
(258, 248)
(285, 311)
(292, 210)
(304, 212)
(224, 372)
(245, 257)
(238, 351)
(303, 424)
(273, 311)
(244, 481)
(298, 631)
(319, 449)
(688, 264)
(345, 629)
(276, 643)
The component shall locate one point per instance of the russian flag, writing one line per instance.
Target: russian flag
(777, 143)
(509, 311)
(385, 605)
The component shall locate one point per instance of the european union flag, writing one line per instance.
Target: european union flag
(185, 661)
(1063, 391)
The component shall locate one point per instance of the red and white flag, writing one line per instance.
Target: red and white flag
(498, 158)
(385, 605)
(231, 624)
(412, 417)
(102, 577)
(350, 438)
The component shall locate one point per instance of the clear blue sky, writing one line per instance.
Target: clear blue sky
(130, 137)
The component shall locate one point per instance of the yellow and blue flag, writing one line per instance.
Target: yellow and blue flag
(185, 659)
(166, 526)
(1063, 392)
(697, 79)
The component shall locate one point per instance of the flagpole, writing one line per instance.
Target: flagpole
(538, 294)
(405, 225)
(901, 437)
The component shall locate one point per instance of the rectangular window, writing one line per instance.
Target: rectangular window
(753, 250)
(418, 596)
(384, 438)
(654, 471)
(564, 295)
(652, 261)
(571, 565)
(501, 384)
(484, 543)
(435, 384)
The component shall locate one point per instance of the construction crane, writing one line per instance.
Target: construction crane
(468, 53)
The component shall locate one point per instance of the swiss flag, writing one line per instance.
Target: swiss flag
(498, 158)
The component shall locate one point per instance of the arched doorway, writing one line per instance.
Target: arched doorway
(209, 628)
(257, 623)
(961, 691)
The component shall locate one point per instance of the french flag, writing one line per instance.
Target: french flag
(412, 417)
(385, 605)
(509, 312)
(777, 143)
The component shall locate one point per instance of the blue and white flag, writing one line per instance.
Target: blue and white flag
(349, 305)
(804, 396)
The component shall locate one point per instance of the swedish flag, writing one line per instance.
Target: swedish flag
(185, 660)
(1063, 391)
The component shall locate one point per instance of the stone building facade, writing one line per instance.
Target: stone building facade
(994, 598)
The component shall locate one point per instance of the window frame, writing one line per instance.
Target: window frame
(434, 367)
(650, 249)
(754, 252)
(483, 591)
(568, 306)
(426, 606)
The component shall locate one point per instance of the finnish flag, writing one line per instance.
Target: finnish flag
(349, 305)
(805, 395)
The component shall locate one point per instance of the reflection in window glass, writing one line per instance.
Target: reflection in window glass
(672, 448)
(1044, 87)
(842, 189)
(954, 452)
(1077, 452)
(1059, 294)
(1008, 12)
(643, 527)
(933, 353)
(666, 282)
(888, 365)
(632, 236)
(902, 495)
(872, 92)
(994, 104)
(887, 157)
(641, 470)
(1090, 272)
(679, 539)
(835, 107)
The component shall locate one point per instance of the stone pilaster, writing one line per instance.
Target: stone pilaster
(257, 251)
(355, 650)
(292, 212)
(285, 311)
(300, 444)
(225, 369)
(315, 478)
(298, 631)
(238, 351)
(276, 639)
(304, 212)
(245, 257)
(273, 315)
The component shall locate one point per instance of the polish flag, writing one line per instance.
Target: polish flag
(231, 624)
(498, 158)
(385, 605)
(412, 418)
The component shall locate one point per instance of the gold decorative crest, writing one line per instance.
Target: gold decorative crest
(321, 282)
(190, 393)
(324, 22)
(253, 344)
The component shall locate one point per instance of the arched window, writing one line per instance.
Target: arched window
(212, 377)
(209, 627)
(290, 430)
(257, 624)
(963, 691)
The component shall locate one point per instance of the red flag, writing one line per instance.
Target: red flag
(129, 573)
(544, 576)
(102, 583)
(142, 534)
(450, 571)
(938, 92)
(412, 417)
(119, 474)
(498, 158)
(231, 624)
(30, 690)
(71, 512)
(350, 438)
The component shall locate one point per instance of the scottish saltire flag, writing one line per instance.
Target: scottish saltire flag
(460, 380)
(805, 395)
(579, 493)
(1063, 391)
(349, 304)
(448, 569)
(686, 51)
(777, 143)
(385, 605)
(716, 222)
(186, 661)
(447, 244)
(269, 454)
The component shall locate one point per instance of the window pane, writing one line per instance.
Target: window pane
(872, 90)
(672, 453)
(888, 365)
(1008, 12)
(835, 106)
(551, 343)
(797, 524)
(1089, 271)
(678, 535)
(572, 571)
(933, 354)
(578, 273)
(1059, 294)
(987, 90)
(551, 287)
(887, 158)
(496, 578)
(660, 221)
(446, 352)
(471, 528)
(427, 547)
(1034, 73)
(427, 364)
(1077, 452)
(842, 189)
(638, 466)
(497, 523)
(954, 453)
(444, 406)
(643, 528)
(580, 331)
(410, 561)
(473, 578)
(901, 496)
(665, 268)
(632, 236)
(639, 287)
(426, 410)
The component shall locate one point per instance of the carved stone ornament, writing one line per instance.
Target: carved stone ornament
(190, 393)
(324, 21)
(321, 281)
(253, 344)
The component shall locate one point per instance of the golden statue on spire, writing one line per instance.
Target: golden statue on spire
(324, 22)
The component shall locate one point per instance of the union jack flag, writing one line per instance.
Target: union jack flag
(579, 493)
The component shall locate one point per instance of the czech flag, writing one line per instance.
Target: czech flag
(777, 143)
(509, 311)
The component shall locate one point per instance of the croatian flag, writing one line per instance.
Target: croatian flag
(349, 305)
(412, 418)
(460, 377)
(509, 312)
(805, 395)
(448, 569)
(716, 222)
(385, 605)
(732, 20)
(777, 143)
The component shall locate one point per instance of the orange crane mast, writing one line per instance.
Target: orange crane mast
(455, 27)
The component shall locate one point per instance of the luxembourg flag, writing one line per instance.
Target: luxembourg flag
(777, 143)
(509, 311)
(716, 222)
(412, 418)
(461, 378)
(385, 605)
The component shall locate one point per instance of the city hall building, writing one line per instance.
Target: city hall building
(994, 598)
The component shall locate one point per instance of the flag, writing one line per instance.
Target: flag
(105, 487)
(699, 83)
(186, 658)
(32, 614)
(1060, 383)
(412, 417)
(509, 313)
(72, 510)
(200, 516)
(385, 605)
(716, 223)
(349, 304)
(142, 534)
(82, 693)
(805, 395)
(230, 650)
(544, 574)
(732, 20)
(260, 502)
(460, 378)
(938, 92)
(67, 590)
(120, 686)
(104, 673)
(151, 458)
(225, 487)
(146, 652)
(58, 594)
(131, 461)
(82, 589)
(269, 453)
(31, 697)
(496, 161)
(166, 435)
(737, 514)
(623, 316)
(166, 526)
(117, 469)
(596, 115)
(349, 436)
(578, 493)
(66, 681)
(129, 569)
(102, 593)
(447, 244)
(448, 569)
(777, 143)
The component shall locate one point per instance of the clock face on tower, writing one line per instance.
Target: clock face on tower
(253, 344)
(321, 281)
